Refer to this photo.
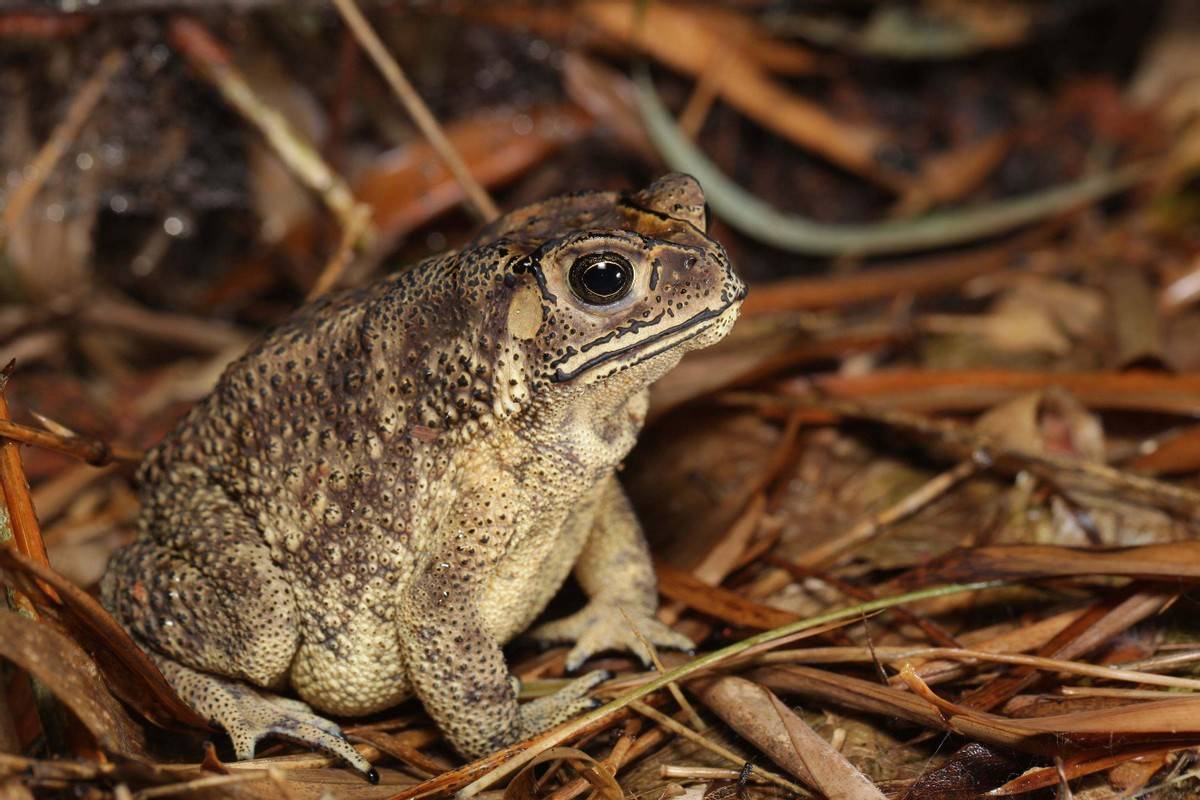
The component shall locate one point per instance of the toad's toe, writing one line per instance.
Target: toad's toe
(603, 626)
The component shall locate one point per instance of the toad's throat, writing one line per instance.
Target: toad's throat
(667, 339)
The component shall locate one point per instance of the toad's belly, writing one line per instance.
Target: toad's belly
(363, 670)
(358, 672)
(530, 574)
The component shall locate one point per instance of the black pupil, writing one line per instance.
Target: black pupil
(604, 278)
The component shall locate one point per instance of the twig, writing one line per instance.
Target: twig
(22, 520)
(206, 335)
(1183, 501)
(711, 746)
(91, 451)
(64, 134)
(26, 535)
(214, 63)
(673, 688)
(565, 731)
(477, 196)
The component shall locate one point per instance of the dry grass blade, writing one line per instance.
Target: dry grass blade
(629, 748)
(979, 389)
(71, 676)
(524, 785)
(611, 763)
(764, 222)
(759, 716)
(354, 230)
(673, 688)
(906, 655)
(1100, 624)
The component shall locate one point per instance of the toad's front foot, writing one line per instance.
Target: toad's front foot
(601, 625)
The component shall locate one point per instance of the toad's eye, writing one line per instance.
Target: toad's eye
(601, 278)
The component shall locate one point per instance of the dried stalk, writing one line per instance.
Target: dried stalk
(480, 202)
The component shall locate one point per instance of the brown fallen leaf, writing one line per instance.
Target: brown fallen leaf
(129, 672)
(1045, 421)
(758, 715)
(883, 281)
(951, 175)
(63, 668)
(408, 186)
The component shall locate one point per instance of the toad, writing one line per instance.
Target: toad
(395, 482)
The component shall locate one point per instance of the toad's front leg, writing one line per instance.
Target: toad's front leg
(616, 572)
(456, 665)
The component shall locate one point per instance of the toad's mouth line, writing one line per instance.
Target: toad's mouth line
(691, 328)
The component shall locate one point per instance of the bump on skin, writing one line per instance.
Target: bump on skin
(393, 483)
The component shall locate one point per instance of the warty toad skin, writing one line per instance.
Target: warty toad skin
(395, 482)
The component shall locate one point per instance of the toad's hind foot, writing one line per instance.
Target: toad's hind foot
(248, 714)
(602, 626)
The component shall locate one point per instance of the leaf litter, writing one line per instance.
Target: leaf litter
(1010, 402)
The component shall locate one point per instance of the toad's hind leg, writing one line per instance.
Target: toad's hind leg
(222, 629)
